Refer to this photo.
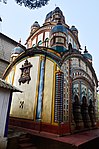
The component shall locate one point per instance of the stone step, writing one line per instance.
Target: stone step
(31, 147)
(23, 136)
(23, 140)
(26, 145)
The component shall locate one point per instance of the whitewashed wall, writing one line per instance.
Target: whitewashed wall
(4, 100)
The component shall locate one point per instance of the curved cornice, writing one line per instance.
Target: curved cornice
(31, 52)
(85, 79)
(40, 29)
(51, 24)
(54, 56)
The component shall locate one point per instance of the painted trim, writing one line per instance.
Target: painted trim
(40, 90)
(70, 95)
(57, 100)
(37, 86)
(31, 53)
(13, 75)
(53, 96)
(43, 58)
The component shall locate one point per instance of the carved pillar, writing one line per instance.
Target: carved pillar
(85, 114)
(91, 111)
(77, 113)
(59, 97)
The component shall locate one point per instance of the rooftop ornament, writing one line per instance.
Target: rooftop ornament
(32, 4)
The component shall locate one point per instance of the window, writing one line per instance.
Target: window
(59, 40)
(34, 42)
(46, 35)
(70, 40)
(40, 37)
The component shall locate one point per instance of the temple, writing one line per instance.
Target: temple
(57, 80)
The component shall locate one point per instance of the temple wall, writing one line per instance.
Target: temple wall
(24, 104)
(28, 94)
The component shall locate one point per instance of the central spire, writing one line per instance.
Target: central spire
(55, 15)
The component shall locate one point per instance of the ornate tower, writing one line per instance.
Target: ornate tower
(58, 38)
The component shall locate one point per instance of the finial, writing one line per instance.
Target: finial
(0, 24)
(85, 50)
(0, 19)
(70, 46)
(20, 41)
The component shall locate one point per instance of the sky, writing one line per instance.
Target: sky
(84, 14)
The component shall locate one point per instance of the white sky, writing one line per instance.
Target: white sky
(84, 14)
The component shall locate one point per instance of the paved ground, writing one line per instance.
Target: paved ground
(83, 140)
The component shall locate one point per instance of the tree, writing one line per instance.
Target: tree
(4, 1)
(0, 19)
(32, 4)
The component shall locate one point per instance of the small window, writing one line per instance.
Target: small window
(60, 40)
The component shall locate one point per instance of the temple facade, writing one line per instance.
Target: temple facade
(57, 80)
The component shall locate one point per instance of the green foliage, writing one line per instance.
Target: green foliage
(4, 1)
(32, 4)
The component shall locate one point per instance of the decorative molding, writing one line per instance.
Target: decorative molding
(59, 78)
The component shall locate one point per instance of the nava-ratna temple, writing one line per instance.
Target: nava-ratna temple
(57, 80)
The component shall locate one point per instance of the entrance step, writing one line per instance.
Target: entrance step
(26, 142)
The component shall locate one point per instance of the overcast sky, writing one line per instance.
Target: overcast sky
(84, 14)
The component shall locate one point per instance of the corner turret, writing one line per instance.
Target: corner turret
(16, 51)
(87, 55)
(74, 31)
(34, 27)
